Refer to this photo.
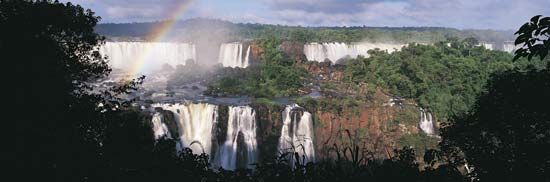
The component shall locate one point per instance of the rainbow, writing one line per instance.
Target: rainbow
(157, 34)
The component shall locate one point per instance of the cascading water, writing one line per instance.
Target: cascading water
(297, 134)
(231, 55)
(335, 51)
(123, 55)
(426, 122)
(320, 52)
(159, 127)
(486, 45)
(240, 147)
(509, 47)
(195, 122)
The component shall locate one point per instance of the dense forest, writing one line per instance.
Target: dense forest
(492, 106)
(189, 30)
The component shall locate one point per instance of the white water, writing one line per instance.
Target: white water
(297, 133)
(231, 55)
(487, 46)
(159, 128)
(242, 121)
(125, 55)
(336, 51)
(195, 123)
(426, 122)
(509, 47)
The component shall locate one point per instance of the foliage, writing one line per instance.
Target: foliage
(509, 125)
(246, 31)
(503, 134)
(57, 65)
(444, 79)
(419, 141)
(407, 115)
(275, 76)
(310, 104)
(534, 37)
(78, 131)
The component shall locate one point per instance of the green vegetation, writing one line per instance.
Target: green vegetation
(239, 31)
(275, 76)
(420, 141)
(507, 132)
(80, 135)
(407, 115)
(445, 79)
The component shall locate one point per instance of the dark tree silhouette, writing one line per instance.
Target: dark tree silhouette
(506, 136)
(60, 129)
(67, 129)
(534, 37)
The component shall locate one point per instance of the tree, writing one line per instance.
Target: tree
(506, 134)
(60, 128)
(534, 37)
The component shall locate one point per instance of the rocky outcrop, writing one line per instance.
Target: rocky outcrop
(269, 123)
(255, 53)
(366, 128)
(324, 70)
(374, 126)
(295, 50)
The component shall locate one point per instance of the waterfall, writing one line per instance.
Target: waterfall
(336, 51)
(239, 148)
(509, 47)
(231, 55)
(486, 45)
(159, 127)
(246, 58)
(426, 122)
(297, 133)
(124, 55)
(195, 122)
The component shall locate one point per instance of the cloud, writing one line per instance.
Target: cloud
(495, 14)
(318, 6)
(480, 14)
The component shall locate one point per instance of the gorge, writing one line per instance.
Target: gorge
(330, 111)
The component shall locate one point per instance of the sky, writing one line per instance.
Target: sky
(462, 14)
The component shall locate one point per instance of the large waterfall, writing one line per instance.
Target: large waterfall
(297, 134)
(426, 122)
(335, 51)
(125, 55)
(195, 122)
(240, 148)
(231, 55)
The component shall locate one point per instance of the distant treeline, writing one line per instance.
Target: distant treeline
(192, 29)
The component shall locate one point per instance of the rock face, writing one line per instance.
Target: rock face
(241, 135)
(255, 53)
(366, 128)
(325, 71)
(268, 123)
(294, 50)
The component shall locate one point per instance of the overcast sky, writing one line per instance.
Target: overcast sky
(463, 14)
